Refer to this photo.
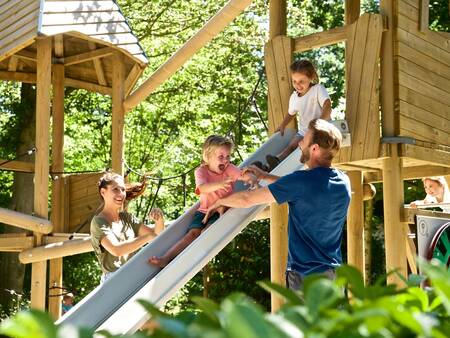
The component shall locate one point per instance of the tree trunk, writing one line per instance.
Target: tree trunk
(11, 270)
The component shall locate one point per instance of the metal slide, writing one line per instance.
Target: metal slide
(112, 305)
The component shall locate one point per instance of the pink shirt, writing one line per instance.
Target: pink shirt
(204, 175)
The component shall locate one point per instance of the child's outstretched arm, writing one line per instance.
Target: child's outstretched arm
(326, 110)
(211, 187)
(288, 118)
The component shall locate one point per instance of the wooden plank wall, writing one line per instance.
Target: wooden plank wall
(278, 58)
(18, 25)
(362, 107)
(83, 199)
(423, 61)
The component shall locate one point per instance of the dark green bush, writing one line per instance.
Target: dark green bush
(322, 310)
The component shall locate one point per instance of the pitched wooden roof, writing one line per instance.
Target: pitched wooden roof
(86, 33)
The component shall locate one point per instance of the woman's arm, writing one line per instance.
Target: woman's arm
(326, 110)
(116, 248)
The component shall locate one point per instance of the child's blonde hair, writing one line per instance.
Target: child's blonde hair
(212, 142)
(307, 68)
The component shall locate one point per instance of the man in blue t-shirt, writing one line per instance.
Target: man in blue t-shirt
(318, 200)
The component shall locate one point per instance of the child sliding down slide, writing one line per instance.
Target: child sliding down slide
(214, 179)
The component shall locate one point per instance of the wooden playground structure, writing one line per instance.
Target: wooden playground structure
(392, 61)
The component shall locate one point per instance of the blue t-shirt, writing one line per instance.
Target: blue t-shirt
(318, 201)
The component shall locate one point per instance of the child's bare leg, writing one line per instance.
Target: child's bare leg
(290, 148)
(176, 248)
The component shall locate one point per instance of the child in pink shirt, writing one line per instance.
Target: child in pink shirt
(214, 179)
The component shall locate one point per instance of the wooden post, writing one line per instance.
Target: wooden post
(44, 71)
(393, 198)
(57, 216)
(355, 223)
(278, 214)
(118, 113)
(394, 230)
(352, 11)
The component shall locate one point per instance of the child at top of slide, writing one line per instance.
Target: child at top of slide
(310, 100)
(214, 179)
(437, 192)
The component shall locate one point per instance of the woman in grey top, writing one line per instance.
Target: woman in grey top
(116, 234)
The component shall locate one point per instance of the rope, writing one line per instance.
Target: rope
(28, 152)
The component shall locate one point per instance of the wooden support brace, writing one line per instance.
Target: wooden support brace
(56, 250)
(27, 222)
(15, 242)
(88, 56)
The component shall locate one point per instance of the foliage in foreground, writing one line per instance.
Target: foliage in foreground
(322, 311)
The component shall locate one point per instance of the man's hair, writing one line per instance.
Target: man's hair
(327, 136)
(212, 142)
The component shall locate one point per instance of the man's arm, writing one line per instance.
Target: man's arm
(260, 174)
(243, 199)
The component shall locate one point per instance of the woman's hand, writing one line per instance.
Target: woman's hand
(156, 215)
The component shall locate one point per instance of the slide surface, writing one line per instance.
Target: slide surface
(112, 305)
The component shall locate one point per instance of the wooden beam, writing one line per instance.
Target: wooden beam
(424, 20)
(433, 156)
(57, 215)
(411, 253)
(25, 167)
(278, 18)
(409, 214)
(27, 222)
(394, 230)
(321, 39)
(279, 52)
(132, 77)
(213, 27)
(410, 173)
(390, 125)
(56, 250)
(15, 242)
(18, 76)
(12, 64)
(355, 223)
(59, 45)
(118, 113)
(352, 11)
(87, 56)
(98, 67)
(43, 88)
(26, 55)
(69, 82)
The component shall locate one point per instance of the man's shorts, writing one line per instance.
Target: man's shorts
(198, 218)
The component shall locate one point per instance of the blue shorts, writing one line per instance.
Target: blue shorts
(198, 218)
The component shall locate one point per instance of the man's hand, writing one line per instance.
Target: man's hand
(254, 170)
(212, 209)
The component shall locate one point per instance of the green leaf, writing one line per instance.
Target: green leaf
(321, 294)
(29, 324)
(354, 278)
(290, 296)
(209, 307)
